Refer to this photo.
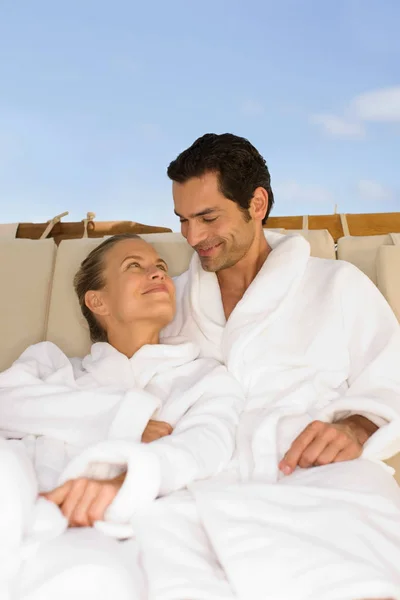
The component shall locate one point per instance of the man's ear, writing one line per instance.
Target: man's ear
(95, 301)
(259, 204)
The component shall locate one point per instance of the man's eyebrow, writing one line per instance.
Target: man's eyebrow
(139, 257)
(201, 213)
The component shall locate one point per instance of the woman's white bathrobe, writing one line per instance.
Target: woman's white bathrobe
(86, 418)
(311, 339)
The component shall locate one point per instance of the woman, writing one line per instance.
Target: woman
(82, 421)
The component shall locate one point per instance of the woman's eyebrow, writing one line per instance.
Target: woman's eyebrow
(139, 257)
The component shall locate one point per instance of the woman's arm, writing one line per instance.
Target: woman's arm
(200, 446)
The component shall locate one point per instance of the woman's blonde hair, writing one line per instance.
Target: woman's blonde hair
(90, 276)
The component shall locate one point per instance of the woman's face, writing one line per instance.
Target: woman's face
(137, 287)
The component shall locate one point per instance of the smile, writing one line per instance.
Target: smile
(208, 251)
(157, 289)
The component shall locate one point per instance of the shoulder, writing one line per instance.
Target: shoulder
(38, 361)
(43, 352)
(354, 291)
(337, 273)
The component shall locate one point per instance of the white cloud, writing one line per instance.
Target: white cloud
(252, 108)
(340, 127)
(375, 106)
(378, 105)
(370, 190)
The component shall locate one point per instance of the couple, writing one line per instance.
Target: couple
(303, 508)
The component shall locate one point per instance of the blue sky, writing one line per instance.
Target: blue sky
(97, 97)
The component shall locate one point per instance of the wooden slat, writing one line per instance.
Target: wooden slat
(362, 224)
(96, 229)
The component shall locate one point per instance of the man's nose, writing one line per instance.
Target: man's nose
(195, 234)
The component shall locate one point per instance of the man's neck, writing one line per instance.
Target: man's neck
(128, 339)
(234, 281)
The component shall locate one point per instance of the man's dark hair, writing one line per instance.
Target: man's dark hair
(239, 166)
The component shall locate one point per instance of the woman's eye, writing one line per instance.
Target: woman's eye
(133, 264)
(162, 267)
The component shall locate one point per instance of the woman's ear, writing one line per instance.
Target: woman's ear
(95, 301)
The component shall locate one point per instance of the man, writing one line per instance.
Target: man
(317, 350)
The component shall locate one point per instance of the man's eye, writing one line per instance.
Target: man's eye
(182, 220)
(209, 220)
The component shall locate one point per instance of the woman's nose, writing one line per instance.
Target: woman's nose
(156, 273)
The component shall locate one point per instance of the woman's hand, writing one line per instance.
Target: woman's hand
(83, 501)
(156, 430)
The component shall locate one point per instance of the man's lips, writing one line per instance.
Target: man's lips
(208, 251)
(157, 288)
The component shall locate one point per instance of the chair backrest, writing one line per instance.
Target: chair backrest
(26, 269)
(388, 275)
(362, 251)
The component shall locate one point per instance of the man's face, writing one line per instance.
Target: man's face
(218, 230)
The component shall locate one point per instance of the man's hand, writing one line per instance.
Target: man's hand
(324, 443)
(156, 430)
(84, 501)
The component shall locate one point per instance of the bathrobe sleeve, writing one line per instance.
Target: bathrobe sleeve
(200, 446)
(39, 396)
(203, 440)
(373, 341)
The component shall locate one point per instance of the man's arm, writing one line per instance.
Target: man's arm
(360, 418)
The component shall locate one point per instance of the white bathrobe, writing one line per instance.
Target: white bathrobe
(310, 339)
(86, 418)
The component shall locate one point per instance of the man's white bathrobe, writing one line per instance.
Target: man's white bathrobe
(72, 418)
(311, 339)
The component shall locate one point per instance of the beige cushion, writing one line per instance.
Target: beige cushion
(173, 248)
(362, 251)
(394, 462)
(26, 269)
(388, 275)
(66, 326)
(321, 242)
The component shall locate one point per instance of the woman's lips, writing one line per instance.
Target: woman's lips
(157, 288)
(208, 251)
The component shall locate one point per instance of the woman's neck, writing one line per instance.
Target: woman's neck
(129, 339)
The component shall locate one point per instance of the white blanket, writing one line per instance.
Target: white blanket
(25, 521)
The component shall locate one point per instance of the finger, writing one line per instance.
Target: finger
(351, 452)
(328, 456)
(100, 504)
(75, 494)
(80, 514)
(292, 456)
(337, 445)
(59, 494)
(315, 448)
(150, 435)
(166, 428)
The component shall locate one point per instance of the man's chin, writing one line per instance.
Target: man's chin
(209, 264)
